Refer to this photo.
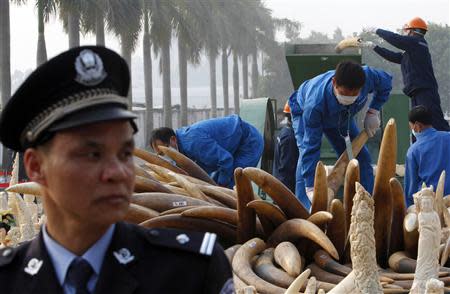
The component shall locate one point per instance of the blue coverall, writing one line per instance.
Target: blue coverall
(220, 145)
(425, 161)
(417, 70)
(315, 111)
(286, 153)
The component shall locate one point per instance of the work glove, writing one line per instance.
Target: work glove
(367, 44)
(310, 193)
(371, 30)
(372, 121)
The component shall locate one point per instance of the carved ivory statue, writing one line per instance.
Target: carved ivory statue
(364, 277)
(434, 286)
(429, 240)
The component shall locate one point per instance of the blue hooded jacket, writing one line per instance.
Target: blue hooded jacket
(220, 145)
(315, 104)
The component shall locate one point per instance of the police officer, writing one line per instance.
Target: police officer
(70, 118)
(417, 68)
(326, 105)
(217, 145)
(286, 152)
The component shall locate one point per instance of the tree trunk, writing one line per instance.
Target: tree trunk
(99, 29)
(212, 84)
(126, 54)
(182, 67)
(5, 69)
(41, 55)
(255, 75)
(236, 83)
(245, 75)
(147, 55)
(167, 96)
(74, 28)
(226, 106)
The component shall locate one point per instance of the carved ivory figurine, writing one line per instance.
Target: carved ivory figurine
(429, 240)
(364, 278)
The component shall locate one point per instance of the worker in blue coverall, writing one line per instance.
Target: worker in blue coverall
(428, 156)
(217, 145)
(286, 152)
(417, 69)
(326, 104)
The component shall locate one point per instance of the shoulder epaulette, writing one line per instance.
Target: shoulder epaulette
(7, 255)
(201, 243)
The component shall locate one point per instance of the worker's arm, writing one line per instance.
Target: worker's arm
(396, 40)
(381, 85)
(310, 147)
(389, 55)
(209, 153)
(411, 178)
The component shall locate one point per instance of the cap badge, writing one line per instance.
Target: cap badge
(123, 256)
(89, 67)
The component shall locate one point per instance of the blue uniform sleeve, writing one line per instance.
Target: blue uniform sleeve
(215, 155)
(312, 140)
(411, 178)
(382, 86)
(389, 55)
(396, 40)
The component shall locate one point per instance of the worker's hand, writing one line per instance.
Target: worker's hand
(367, 44)
(310, 193)
(371, 30)
(372, 121)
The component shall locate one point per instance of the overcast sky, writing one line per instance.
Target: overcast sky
(318, 15)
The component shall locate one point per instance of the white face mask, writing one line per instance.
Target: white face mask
(345, 100)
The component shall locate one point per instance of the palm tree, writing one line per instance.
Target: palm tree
(5, 66)
(236, 82)
(69, 13)
(226, 105)
(92, 19)
(124, 19)
(189, 29)
(147, 55)
(161, 14)
(45, 9)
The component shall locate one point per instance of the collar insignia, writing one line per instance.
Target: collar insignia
(33, 266)
(123, 256)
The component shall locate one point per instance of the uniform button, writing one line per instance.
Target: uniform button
(7, 252)
(182, 238)
(154, 233)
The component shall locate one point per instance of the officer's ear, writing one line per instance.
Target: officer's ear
(33, 162)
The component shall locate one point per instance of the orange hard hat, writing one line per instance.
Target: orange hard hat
(416, 23)
(287, 109)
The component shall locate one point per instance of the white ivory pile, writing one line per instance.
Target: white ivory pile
(22, 213)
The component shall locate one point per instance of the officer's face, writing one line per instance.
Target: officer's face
(87, 173)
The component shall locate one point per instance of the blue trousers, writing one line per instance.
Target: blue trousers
(338, 144)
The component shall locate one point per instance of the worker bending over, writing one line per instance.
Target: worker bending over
(217, 145)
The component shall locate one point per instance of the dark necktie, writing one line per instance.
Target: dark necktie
(79, 274)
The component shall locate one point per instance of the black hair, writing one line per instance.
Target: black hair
(420, 114)
(350, 75)
(163, 134)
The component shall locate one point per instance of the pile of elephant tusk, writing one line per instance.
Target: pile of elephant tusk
(360, 244)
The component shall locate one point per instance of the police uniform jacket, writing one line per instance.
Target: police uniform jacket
(159, 261)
